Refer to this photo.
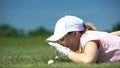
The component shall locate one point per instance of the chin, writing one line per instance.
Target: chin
(74, 50)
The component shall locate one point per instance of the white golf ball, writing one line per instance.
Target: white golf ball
(50, 61)
(56, 57)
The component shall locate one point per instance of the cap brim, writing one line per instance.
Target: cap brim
(54, 37)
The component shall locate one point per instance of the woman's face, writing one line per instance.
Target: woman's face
(71, 40)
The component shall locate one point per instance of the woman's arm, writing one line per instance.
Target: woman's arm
(89, 55)
(116, 33)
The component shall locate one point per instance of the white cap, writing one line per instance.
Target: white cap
(64, 25)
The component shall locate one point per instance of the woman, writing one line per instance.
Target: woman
(95, 46)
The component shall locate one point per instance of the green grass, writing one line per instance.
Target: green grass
(34, 52)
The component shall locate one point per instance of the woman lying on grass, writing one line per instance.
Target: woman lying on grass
(94, 46)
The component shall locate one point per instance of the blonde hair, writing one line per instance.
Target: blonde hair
(90, 26)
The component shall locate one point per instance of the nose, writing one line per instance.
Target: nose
(61, 43)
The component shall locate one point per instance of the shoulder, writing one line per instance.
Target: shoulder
(89, 36)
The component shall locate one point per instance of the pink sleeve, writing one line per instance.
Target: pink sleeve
(88, 37)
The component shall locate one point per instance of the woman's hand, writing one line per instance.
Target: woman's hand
(62, 51)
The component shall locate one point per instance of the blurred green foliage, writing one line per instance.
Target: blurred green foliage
(7, 30)
(39, 32)
(116, 26)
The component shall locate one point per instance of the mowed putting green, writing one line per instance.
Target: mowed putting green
(34, 52)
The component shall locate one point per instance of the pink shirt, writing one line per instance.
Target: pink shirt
(109, 48)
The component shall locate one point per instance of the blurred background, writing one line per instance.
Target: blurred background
(35, 17)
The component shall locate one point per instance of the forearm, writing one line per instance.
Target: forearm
(89, 55)
(116, 33)
(80, 58)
